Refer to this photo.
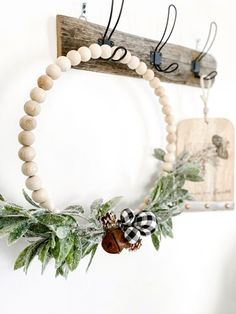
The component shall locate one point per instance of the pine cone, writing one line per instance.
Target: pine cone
(136, 246)
(109, 221)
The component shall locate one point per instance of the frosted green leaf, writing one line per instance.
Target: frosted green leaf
(75, 254)
(18, 232)
(29, 199)
(63, 248)
(93, 251)
(155, 241)
(159, 154)
(62, 232)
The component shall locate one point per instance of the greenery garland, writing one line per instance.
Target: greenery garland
(74, 233)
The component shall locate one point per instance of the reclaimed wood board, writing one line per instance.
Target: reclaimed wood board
(212, 146)
(73, 33)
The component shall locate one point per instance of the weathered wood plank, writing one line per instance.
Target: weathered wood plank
(73, 33)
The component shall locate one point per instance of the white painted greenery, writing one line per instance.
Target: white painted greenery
(69, 236)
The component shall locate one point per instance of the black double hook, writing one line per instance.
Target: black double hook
(106, 40)
(196, 62)
(156, 55)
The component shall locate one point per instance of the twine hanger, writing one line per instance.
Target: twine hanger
(205, 86)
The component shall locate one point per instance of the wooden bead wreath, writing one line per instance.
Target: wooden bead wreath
(70, 235)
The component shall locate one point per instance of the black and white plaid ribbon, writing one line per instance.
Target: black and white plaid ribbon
(135, 226)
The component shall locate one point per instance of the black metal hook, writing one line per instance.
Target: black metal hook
(156, 55)
(114, 53)
(196, 62)
(105, 39)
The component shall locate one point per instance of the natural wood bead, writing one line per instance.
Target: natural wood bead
(160, 91)
(32, 108)
(38, 94)
(187, 206)
(167, 166)
(63, 63)
(155, 82)
(45, 82)
(151, 190)
(127, 58)
(33, 183)
(141, 69)
(133, 63)
(54, 71)
(164, 100)
(146, 199)
(85, 53)
(166, 110)
(96, 51)
(40, 196)
(29, 168)
(28, 123)
(170, 119)
(171, 148)
(149, 75)
(26, 138)
(171, 138)
(170, 157)
(26, 153)
(106, 51)
(74, 57)
(48, 204)
(119, 53)
(171, 128)
(142, 206)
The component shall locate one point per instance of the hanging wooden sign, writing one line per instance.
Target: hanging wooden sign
(212, 146)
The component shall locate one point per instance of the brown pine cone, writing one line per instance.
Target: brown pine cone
(109, 221)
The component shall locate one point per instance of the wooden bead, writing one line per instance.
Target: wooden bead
(160, 91)
(149, 75)
(167, 166)
(170, 157)
(146, 199)
(33, 183)
(28, 123)
(32, 108)
(48, 204)
(141, 69)
(96, 51)
(38, 94)
(171, 148)
(26, 138)
(166, 110)
(106, 51)
(85, 54)
(119, 53)
(171, 128)
(74, 57)
(53, 71)
(164, 100)
(126, 59)
(142, 206)
(170, 119)
(45, 82)
(171, 138)
(63, 63)
(133, 63)
(29, 168)
(155, 82)
(27, 153)
(40, 196)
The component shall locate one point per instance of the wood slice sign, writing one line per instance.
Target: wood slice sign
(212, 146)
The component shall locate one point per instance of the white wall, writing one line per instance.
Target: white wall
(92, 143)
